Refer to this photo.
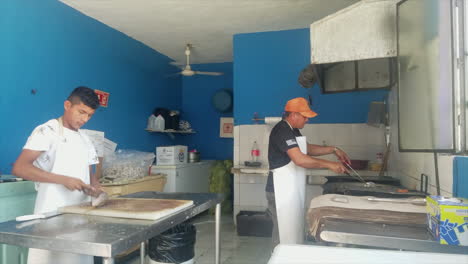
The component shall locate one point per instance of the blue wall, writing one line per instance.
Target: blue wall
(197, 108)
(266, 68)
(52, 48)
(460, 179)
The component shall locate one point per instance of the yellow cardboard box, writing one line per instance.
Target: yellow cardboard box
(448, 219)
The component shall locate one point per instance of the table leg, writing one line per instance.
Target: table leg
(142, 252)
(107, 260)
(217, 228)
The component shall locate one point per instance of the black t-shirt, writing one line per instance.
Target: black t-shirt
(282, 138)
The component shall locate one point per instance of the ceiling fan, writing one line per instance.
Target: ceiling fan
(187, 70)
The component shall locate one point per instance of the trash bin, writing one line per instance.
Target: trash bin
(175, 245)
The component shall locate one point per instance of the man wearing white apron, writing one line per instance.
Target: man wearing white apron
(58, 157)
(289, 155)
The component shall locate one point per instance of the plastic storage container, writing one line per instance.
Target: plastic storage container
(171, 155)
(151, 122)
(250, 223)
(159, 123)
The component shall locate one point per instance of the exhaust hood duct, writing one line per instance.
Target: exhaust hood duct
(365, 30)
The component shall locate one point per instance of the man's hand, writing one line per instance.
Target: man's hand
(337, 167)
(75, 184)
(342, 156)
(95, 191)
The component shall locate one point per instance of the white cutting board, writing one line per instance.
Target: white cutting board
(134, 208)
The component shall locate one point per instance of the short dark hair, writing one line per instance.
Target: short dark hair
(84, 95)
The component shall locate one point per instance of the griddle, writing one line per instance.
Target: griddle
(376, 179)
(379, 190)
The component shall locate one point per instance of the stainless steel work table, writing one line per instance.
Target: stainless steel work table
(384, 236)
(106, 236)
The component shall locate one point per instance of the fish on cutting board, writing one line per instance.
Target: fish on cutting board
(100, 199)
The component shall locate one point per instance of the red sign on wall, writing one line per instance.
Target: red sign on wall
(103, 97)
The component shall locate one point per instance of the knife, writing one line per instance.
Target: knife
(37, 216)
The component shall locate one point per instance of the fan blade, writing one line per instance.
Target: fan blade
(209, 73)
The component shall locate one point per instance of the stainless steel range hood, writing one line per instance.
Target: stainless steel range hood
(365, 30)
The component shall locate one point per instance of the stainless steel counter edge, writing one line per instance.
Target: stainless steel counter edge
(144, 229)
(92, 249)
(183, 165)
(384, 236)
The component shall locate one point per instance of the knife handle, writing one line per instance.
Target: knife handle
(29, 217)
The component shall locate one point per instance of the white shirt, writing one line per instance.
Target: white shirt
(45, 138)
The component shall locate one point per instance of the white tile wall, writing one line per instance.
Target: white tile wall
(360, 141)
(253, 194)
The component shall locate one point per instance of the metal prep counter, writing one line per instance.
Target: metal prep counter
(106, 236)
(399, 237)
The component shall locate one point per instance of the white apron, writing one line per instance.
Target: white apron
(289, 183)
(71, 160)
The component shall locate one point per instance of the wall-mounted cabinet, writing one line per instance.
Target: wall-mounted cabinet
(357, 75)
(355, 47)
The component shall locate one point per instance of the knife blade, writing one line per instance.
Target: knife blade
(37, 216)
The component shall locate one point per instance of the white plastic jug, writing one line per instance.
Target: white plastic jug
(159, 123)
(151, 122)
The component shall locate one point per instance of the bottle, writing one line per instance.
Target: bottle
(159, 123)
(255, 152)
(151, 122)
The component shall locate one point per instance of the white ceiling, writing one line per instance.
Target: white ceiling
(167, 25)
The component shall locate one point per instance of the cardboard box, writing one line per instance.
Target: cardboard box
(171, 155)
(152, 183)
(448, 219)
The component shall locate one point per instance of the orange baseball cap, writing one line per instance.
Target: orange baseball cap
(301, 106)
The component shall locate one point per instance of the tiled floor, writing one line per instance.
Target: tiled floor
(234, 249)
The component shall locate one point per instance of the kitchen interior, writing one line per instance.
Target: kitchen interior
(389, 90)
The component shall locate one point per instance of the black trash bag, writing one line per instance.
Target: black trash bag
(174, 121)
(175, 245)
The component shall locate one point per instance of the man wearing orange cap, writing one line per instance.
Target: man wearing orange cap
(289, 155)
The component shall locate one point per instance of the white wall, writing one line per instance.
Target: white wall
(409, 166)
(360, 141)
